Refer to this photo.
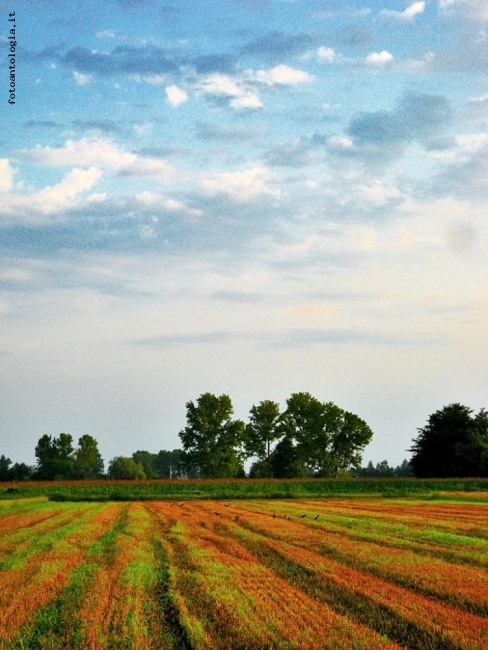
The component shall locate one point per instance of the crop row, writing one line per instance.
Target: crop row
(109, 490)
(312, 573)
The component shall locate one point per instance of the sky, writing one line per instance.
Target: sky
(249, 197)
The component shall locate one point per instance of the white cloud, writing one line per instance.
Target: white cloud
(82, 79)
(283, 75)
(174, 206)
(98, 152)
(409, 14)
(326, 54)
(176, 96)
(62, 195)
(379, 58)
(247, 100)
(149, 198)
(54, 198)
(87, 152)
(223, 85)
(6, 175)
(242, 186)
(379, 193)
(340, 143)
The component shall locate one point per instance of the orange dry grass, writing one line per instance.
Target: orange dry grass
(28, 587)
(462, 627)
(117, 606)
(253, 606)
(13, 522)
(457, 583)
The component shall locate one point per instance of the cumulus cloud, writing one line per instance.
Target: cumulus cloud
(176, 96)
(379, 58)
(239, 93)
(81, 79)
(6, 175)
(53, 199)
(241, 186)
(283, 75)
(61, 196)
(98, 152)
(407, 15)
(326, 54)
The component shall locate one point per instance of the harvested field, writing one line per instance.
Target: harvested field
(338, 574)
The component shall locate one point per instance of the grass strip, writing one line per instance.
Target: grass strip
(170, 631)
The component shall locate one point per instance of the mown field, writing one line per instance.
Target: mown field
(340, 574)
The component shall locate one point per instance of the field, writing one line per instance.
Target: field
(107, 490)
(341, 573)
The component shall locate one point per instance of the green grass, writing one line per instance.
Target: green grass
(108, 490)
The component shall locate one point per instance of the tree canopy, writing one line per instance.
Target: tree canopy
(327, 438)
(310, 438)
(212, 441)
(123, 467)
(453, 443)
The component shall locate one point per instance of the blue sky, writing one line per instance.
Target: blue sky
(251, 197)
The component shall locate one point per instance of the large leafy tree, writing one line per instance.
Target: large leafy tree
(262, 432)
(328, 439)
(55, 457)
(453, 443)
(88, 462)
(212, 441)
(122, 467)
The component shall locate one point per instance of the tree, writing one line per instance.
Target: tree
(147, 460)
(55, 457)
(88, 462)
(122, 467)
(349, 439)
(286, 461)
(454, 443)
(212, 441)
(167, 464)
(20, 472)
(328, 439)
(261, 432)
(5, 468)
(404, 469)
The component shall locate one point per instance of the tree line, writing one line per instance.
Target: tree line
(58, 459)
(309, 438)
